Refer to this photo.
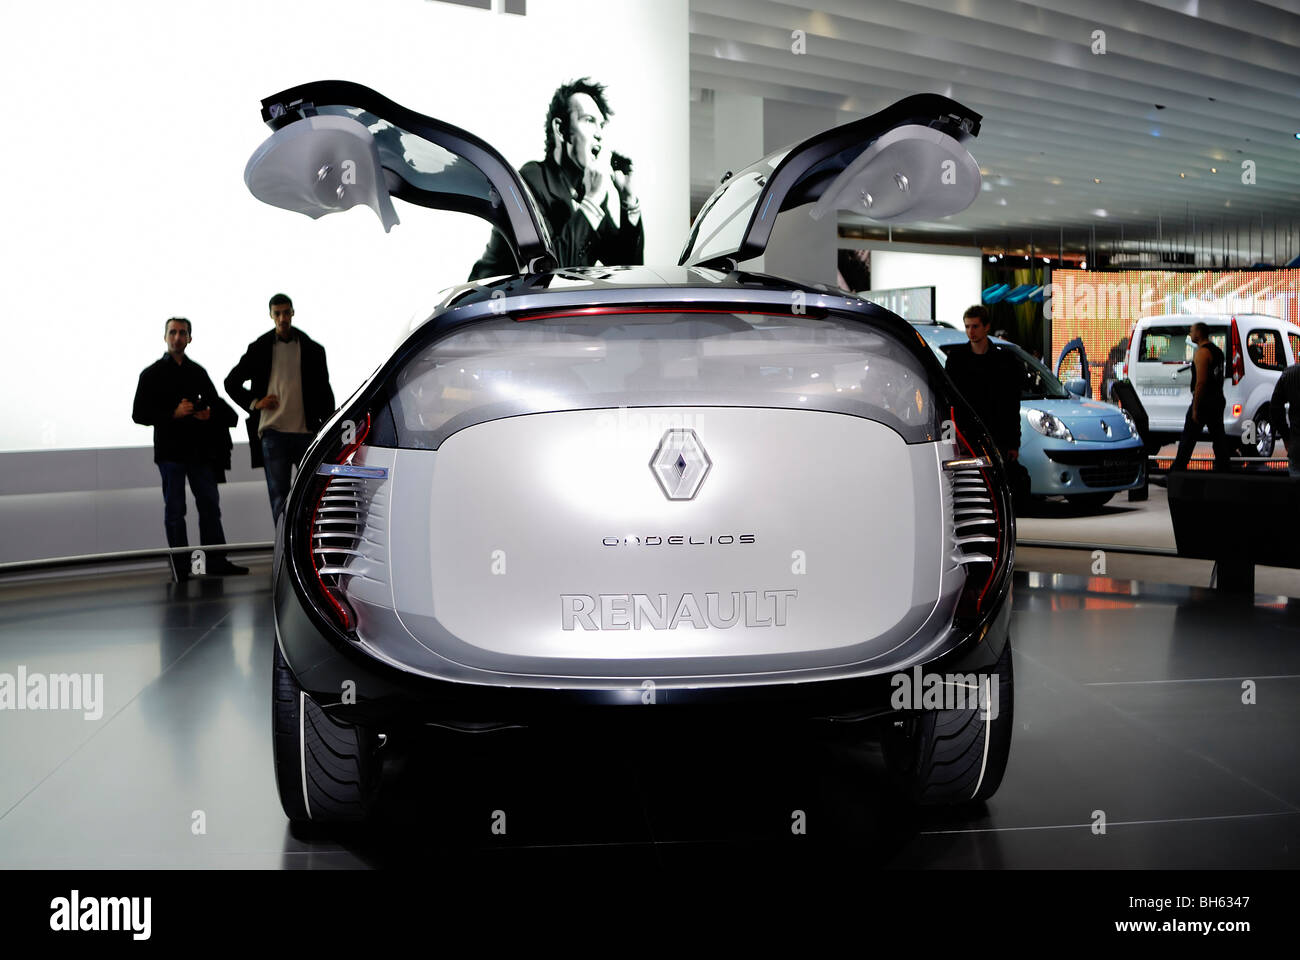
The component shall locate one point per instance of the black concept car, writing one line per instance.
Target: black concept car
(681, 491)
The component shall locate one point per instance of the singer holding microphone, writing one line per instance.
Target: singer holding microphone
(584, 191)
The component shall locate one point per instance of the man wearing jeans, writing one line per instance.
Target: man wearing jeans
(288, 400)
(176, 397)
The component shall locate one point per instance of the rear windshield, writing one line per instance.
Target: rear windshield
(1170, 344)
(502, 368)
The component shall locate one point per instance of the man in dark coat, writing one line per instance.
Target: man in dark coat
(176, 397)
(289, 398)
(591, 210)
(989, 379)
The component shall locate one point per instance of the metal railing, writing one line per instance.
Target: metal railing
(118, 556)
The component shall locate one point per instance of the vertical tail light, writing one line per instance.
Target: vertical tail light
(343, 528)
(1238, 359)
(981, 527)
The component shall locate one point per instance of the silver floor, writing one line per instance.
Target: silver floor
(1129, 713)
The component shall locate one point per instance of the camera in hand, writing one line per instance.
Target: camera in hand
(200, 403)
(620, 162)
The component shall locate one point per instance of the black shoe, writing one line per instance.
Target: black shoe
(226, 569)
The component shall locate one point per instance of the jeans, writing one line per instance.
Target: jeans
(280, 453)
(1213, 418)
(203, 483)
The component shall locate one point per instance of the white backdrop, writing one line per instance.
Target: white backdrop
(129, 127)
(956, 278)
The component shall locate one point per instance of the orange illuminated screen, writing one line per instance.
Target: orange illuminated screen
(1100, 309)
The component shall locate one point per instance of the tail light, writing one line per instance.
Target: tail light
(981, 529)
(1130, 350)
(345, 532)
(1238, 360)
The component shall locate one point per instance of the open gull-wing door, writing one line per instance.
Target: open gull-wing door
(905, 163)
(338, 144)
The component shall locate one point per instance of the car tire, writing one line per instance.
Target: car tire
(1266, 440)
(954, 757)
(327, 772)
(1092, 501)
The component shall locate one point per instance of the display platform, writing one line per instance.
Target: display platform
(1132, 748)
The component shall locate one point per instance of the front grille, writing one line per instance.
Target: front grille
(1110, 475)
(1096, 458)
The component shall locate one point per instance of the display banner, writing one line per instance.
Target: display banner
(128, 205)
(1099, 309)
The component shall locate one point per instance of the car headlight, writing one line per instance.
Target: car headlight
(1132, 427)
(1049, 425)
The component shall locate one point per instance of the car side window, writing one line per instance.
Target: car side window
(1294, 338)
(1264, 347)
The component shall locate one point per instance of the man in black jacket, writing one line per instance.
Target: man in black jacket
(176, 397)
(288, 401)
(989, 379)
(591, 210)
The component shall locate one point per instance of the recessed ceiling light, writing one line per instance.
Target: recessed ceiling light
(1214, 169)
(1182, 176)
(1096, 179)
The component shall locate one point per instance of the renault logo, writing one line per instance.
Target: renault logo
(680, 464)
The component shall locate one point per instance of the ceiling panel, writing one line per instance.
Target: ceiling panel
(1183, 87)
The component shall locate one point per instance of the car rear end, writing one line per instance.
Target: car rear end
(1159, 366)
(547, 505)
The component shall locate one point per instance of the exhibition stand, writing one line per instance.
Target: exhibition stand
(1237, 520)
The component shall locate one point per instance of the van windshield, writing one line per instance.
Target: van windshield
(1170, 344)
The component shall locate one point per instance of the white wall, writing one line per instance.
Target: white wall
(957, 278)
(125, 145)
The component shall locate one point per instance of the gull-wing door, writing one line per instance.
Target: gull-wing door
(905, 163)
(336, 144)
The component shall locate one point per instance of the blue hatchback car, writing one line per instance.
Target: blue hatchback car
(1083, 450)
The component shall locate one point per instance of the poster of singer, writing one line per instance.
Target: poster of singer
(583, 188)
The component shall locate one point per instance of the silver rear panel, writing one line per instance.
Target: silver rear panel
(543, 550)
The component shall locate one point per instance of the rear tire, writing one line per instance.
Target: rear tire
(1093, 501)
(1266, 441)
(951, 757)
(327, 772)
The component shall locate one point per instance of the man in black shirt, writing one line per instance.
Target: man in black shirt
(176, 397)
(1206, 409)
(591, 210)
(988, 378)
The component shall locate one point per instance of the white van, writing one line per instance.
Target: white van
(1256, 349)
